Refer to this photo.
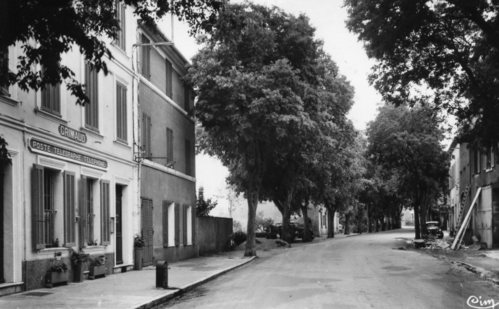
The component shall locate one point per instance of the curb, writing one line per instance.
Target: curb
(177, 292)
(483, 273)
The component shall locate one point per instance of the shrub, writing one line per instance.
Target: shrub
(239, 237)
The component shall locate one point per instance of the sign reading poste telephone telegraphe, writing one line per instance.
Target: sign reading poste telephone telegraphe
(38, 146)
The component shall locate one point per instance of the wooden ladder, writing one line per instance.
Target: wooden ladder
(462, 228)
(462, 205)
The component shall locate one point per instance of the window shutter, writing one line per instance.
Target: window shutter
(177, 224)
(146, 58)
(82, 212)
(104, 215)
(122, 26)
(169, 78)
(193, 225)
(187, 98)
(169, 145)
(69, 209)
(166, 204)
(37, 207)
(188, 163)
(184, 223)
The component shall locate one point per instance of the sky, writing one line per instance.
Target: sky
(328, 17)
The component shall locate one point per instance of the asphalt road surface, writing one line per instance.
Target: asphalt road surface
(366, 271)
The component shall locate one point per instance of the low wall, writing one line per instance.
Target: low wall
(213, 234)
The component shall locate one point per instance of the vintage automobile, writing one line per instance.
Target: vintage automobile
(296, 227)
(432, 230)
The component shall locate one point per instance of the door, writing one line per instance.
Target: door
(495, 218)
(147, 230)
(119, 228)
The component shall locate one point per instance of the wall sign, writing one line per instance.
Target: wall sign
(72, 134)
(46, 148)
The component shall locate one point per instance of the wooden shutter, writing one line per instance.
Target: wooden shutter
(166, 205)
(69, 209)
(193, 225)
(169, 78)
(146, 58)
(187, 98)
(37, 207)
(82, 212)
(104, 213)
(121, 114)
(177, 224)
(188, 167)
(92, 109)
(146, 135)
(169, 145)
(184, 223)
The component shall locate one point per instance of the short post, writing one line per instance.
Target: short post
(162, 274)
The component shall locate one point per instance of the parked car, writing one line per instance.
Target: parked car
(432, 230)
(296, 229)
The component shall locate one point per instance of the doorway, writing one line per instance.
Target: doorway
(119, 224)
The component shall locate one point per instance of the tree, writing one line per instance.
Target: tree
(449, 48)
(406, 144)
(47, 30)
(203, 207)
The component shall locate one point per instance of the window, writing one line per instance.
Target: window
(121, 114)
(145, 58)
(169, 78)
(188, 163)
(51, 99)
(4, 70)
(44, 209)
(187, 98)
(488, 158)
(167, 205)
(104, 214)
(476, 159)
(187, 224)
(91, 109)
(146, 135)
(120, 16)
(178, 222)
(169, 147)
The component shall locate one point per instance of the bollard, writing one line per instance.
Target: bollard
(162, 274)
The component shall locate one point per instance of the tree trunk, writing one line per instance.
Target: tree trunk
(330, 222)
(286, 233)
(347, 224)
(306, 224)
(417, 227)
(250, 239)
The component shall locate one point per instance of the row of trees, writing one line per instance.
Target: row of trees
(273, 108)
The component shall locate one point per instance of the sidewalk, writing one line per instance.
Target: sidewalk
(133, 289)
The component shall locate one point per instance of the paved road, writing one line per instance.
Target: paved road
(366, 271)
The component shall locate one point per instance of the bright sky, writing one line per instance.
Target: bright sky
(328, 17)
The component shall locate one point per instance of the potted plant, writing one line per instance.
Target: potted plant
(138, 245)
(77, 261)
(57, 274)
(97, 267)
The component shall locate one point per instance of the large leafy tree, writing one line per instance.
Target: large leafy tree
(449, 48)
(48, 29)
(407, 144)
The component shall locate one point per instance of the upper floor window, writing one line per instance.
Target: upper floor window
(4, 70)
(187, 98)
(188, 160)
(51, 99)
(91, 109)
(476, 161)
(145, 58)
(121, 113)
(120, 16)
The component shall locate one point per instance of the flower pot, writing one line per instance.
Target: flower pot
(96, 271)
(137, 259)
(56, 278)
(78, 272)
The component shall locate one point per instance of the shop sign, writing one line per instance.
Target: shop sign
(46, 148)
(72, 134)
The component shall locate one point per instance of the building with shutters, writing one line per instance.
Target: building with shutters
(73, 181)
(168, 193)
